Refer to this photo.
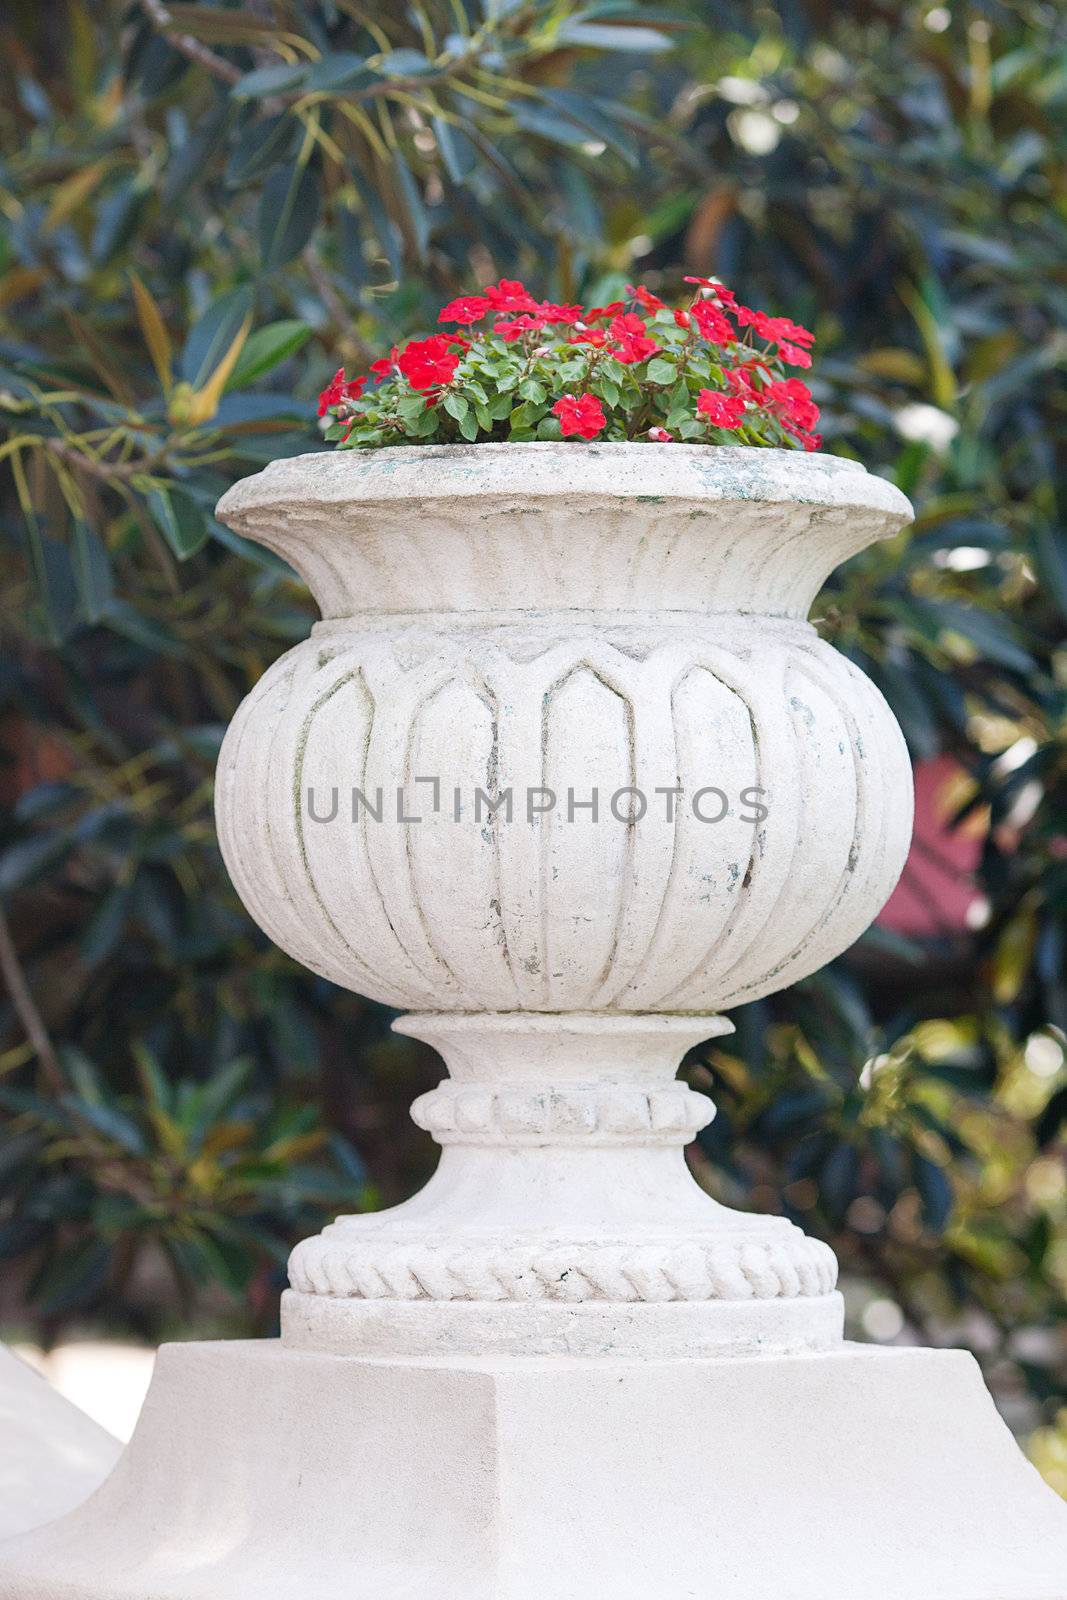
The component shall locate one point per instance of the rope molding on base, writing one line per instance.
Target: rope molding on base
(787, 1267)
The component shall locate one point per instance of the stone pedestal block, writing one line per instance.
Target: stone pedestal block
(262, 1473)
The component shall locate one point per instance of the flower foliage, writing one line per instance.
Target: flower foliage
(710, 372)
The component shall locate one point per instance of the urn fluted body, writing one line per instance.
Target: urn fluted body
(565, 769)
(524, 648)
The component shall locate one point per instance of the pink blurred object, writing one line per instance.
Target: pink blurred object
(937, 894)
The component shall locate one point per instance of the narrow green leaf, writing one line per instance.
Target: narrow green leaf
(265, 81)
(288, 212)
(267, 347)
(342, 70)
(92, 572)
(179, 519)
(213, 335)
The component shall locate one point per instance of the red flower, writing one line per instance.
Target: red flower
(383, 367)
(739, 381)
(600, 313)
(633, 349)
(426, 362)
(791, 401)
(467, 309)
(550, 312)
(594, 336)
(713, 325)
(682, 318)
(582, 414)
(632, 341)
(794, 356)
(721, 410)
(792, 340)
(629, 323)
(660, 436)
(725, 296)
(337, 391)
(509, 295)
(644, 297)
(513, 328)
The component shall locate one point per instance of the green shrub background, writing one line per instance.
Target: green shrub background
(179, 1100)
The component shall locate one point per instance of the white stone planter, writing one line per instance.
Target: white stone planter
(562, 1372)
(558, 620)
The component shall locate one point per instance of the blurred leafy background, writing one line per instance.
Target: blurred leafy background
(204, 209)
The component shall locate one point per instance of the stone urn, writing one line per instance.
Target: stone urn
(565, 771)
(563, 774)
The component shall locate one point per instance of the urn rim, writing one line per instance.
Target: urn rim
(617, 470)
(611, 528)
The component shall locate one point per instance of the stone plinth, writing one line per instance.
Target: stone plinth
(261, 1473)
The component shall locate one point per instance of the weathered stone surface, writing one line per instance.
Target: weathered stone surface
(511, 621)
(260, 1473)
(51, 1454)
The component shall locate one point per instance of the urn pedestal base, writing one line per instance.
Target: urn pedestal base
(263, 1473)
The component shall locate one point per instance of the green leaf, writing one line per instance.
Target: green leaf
(213, 335)
(468, 426)
(548, 124)
(281, 78)
(288, 212)
(660, 371)
(602, 36)
(22, 861)
(530, 389)
(71, 1278)
(587, 113)
(342, 70)
(427, 424)
(935, 1190)
(456, 406)
(262, 146)
(179, 519)
(458, 155)
(414, 205)
(109, 1121)
(380, 220)
(1050, 549)
(117, 220)
(411, 406)
(403, 64)
(266, 347)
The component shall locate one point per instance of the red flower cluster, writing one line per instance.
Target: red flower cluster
(626, 339)
(734, 387)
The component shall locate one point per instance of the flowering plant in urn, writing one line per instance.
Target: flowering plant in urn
(711, 371)
(565, 773)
